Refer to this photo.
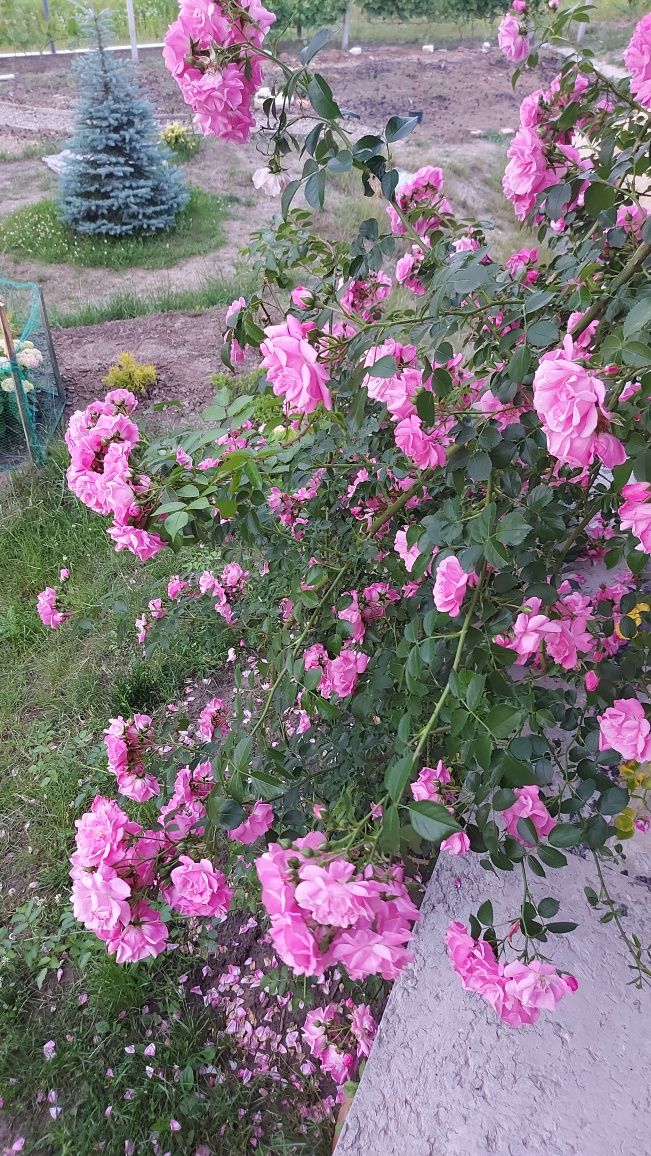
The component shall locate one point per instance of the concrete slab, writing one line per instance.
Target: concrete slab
(447, 1078)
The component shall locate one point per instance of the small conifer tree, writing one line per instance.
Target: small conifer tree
(119, 180)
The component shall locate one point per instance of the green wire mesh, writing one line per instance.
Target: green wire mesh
(32, 378)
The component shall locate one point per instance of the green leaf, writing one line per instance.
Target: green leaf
(175, 523)
(321, 98)
(503, 798)
(548, 907)
(638, 318)
(561, 928)
(598, 197)
(315, 189)
(242, 753)
(288, 194)
(503, 720)
(485, 913)
(519, 364)
(390, 837)
(551, 857)
(397, 776)
(342, 162)
(613, 801)
(316, 44)
(527, 831)
(383, 367)
(479, 467)
(432, 821)
(513, 528)
(398, 127)
(224, 813)
(565, 835)
(475, 691)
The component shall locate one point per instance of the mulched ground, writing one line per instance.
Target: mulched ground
(184, 347)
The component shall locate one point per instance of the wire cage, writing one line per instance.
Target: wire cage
(31, 394)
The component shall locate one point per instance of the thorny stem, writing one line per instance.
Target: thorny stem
(630, 269)
(633, 947)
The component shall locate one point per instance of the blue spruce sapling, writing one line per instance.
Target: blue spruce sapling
(119, 180)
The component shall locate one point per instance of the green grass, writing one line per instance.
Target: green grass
(36, 231)
(34, 150)
(121, 306)
(57, 690)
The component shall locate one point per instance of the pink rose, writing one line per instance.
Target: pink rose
(623, 727)
(255, 825)
(296, 945)
(638, 61)
(569, 402)
(342, 672)
(426, 449)
(100, 899)
(457, 844)
(528, 805)
(292, 366)
(450, 586)
(426, 786)
(635, 513)
(527, 173)
(513, 44)
(329, 896)
(143, 937)
(198, 888)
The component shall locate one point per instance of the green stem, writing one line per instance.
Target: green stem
(630, 269)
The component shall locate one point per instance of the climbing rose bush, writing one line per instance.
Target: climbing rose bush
(433, 519)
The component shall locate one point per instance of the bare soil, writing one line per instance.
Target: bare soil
(184, 347)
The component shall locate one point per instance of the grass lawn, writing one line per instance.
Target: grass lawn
(122, 306)
(35, 231)
(57, 690)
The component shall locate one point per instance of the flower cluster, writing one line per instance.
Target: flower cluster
(340, 674)
(420, 199)
(635, 513)
(323, 911)
(338, 1035)
(569, 401)
(210, 50)
(100, 440)
(47, 609)
(364, 297)
(512, 34)
(293, 366)
(638, 61)
(127, 743)
(518, 992)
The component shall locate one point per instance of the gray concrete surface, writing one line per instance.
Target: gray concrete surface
(447, 1078)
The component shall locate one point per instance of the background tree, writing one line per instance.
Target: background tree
(119, 180)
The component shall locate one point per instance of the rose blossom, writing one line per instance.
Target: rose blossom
(528, 805)
(255, 825)
(623, 727)
(293, 367)
(638, 61)
(143, 937)
(450, 586)
(513, 44)
(198, 888)
(569, 402)
(271, 183)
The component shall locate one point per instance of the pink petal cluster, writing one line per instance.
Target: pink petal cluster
(450, 586)
(288, 507)
(324, 911)
(365, 607)
(364, 296)
(407, 270)
(429, 781)
(198, 889)
(528, 805)
(293, 367)
(213, 717)
(565, 637)
(340, 674)
(624, 728)
(427, 448)
(638, 61)
(523, 264)
(338, 1035)
(518, 992)
(46, 608)
(127, 743)
(570, 404)
(210, 50)
(420, 198)
(635, 513)
(100, 440)
(256, 824)
(514, 43)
